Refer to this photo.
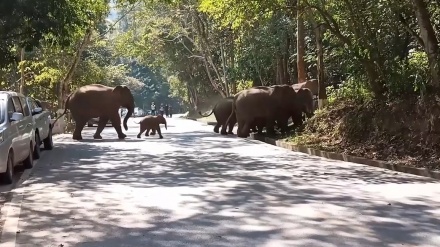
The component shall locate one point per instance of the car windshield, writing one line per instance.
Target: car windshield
(2, 111)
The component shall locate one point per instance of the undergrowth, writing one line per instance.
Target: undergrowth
(405, 131)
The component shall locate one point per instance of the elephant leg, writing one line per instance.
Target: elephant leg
(260, 127)
(231, 127)
(270, 126)
(246, 129)
(159, 132)
(101, 126)
(283, 125)
(141, 130)
(153, 132)
(147, 132)
(217, 127)
(116, 123)
(223, 130)
(79, 126)
(241, 130)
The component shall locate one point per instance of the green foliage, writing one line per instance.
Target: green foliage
(242, 85)
(26, 23)
(349, 90)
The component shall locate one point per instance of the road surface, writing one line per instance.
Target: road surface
(197, 188)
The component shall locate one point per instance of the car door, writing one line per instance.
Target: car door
(40, 119)
(22, 125)
(45, 120)
(29, 121)
(16, 138)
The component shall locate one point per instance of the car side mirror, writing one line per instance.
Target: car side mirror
(16, 116)
(37, 110)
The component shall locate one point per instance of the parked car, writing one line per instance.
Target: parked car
(42, 126)
(17, 135)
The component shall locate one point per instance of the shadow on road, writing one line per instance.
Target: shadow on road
(223, 197)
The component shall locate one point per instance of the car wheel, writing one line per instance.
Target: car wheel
(28, 163)
(37, 149)
(48, 142)
(7, 176)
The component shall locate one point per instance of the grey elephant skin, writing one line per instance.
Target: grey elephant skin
(274, 104)
(222, 110)
(96, 100)
(151, 123)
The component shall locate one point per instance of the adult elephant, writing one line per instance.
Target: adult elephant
(271, 103)
(305, 107)
(101, 101)
(221, 111)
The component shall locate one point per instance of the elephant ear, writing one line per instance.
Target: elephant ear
(120, 88)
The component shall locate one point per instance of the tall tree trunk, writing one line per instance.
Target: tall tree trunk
(286, 61)
(300, 44)
(232, 57)
(63, 89)
(322, 95)
(280, 70)
(22, 79)
(376, 85)
(222, 51)
(429, 39)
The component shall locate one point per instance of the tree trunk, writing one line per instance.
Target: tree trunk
(322, 95)
(429, 39)
(286, 61)
(22, 79)
(222, 51)
(280, 70)
(232, 57)
(300, 44)
(375, 84)
(64, 84)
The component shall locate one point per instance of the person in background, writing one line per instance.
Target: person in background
(153, 109)
(161, 109)
(170, 111)
(166, 110)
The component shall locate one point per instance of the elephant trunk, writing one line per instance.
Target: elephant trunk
(165, 122)
(128, 115)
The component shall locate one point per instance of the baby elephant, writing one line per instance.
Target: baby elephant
(151, 123)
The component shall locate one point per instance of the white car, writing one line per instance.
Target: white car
(42, 126)
(17, 135)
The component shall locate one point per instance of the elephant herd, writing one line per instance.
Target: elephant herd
(253, 109)
(263, 106)
(101, 101)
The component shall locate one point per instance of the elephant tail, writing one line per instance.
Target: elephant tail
(212, 111)
(232, 113)
(66, 107)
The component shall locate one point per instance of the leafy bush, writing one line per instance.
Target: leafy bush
(242, 85)
(350, 90)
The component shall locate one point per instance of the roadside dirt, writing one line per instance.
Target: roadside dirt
(405, 132)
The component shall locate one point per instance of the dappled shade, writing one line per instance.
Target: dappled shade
(197, 188)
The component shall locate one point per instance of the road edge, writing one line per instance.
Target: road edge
(349, 158)
(339, 156)
(11, 210)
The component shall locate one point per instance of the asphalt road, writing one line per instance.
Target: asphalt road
(197, 188)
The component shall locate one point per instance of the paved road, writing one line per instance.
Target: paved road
(197, 188)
